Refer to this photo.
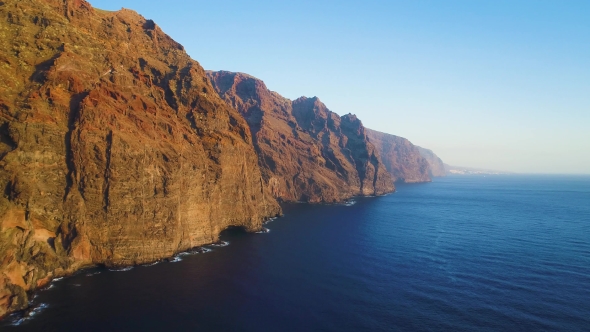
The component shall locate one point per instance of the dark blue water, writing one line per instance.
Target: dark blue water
(470, 253)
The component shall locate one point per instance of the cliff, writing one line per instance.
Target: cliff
(401, 158)
(305, 151)
(437, 167)
(114, 147)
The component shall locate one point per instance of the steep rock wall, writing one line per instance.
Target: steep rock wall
(402, 158)
(114, 147)
(306, 152)
(437, 167)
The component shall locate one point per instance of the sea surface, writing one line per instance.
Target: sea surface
(463, 253)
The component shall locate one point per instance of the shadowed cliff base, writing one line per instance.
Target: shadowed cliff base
(116, 149)
(306, 152)
(113, 148)
(233, 230)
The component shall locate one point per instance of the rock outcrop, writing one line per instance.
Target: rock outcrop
(114, 147)
(402, 158)
(437, 167)
(306, 152)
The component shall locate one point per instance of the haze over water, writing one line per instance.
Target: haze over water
(463, 253)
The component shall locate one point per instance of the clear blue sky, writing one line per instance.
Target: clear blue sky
(492, 84)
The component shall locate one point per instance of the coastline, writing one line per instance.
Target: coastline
(26, 297)
(201, 248)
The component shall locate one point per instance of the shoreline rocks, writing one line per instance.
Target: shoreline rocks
(114, 147)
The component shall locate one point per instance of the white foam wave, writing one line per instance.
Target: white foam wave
(175, 259)
(92, 274)
(123, 269)
(263, 230)
(201, 250)
(220, 244)
(57, 279)
(269, 220)
(350, 202)
(151, 264)
(29, 314)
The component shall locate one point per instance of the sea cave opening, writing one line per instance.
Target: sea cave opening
(233, 231)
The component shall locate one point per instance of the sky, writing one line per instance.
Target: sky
(494, 84)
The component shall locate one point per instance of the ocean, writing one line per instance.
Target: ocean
(463, 253)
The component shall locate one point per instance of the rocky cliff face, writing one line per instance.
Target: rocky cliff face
(402, 158)
(306, 152)
(437, 167)
(114, 147)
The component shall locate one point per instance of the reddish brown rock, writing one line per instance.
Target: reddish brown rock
(401, 157)
(114, 147)
(306, 152)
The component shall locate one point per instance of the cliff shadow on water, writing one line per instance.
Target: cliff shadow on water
(113, 149)
(117, 149)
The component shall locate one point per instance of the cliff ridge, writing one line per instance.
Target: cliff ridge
(401, 158)
(306, 152)
(114, 147)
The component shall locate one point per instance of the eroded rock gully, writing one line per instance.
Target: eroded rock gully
(114, 147)
(305, 151)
